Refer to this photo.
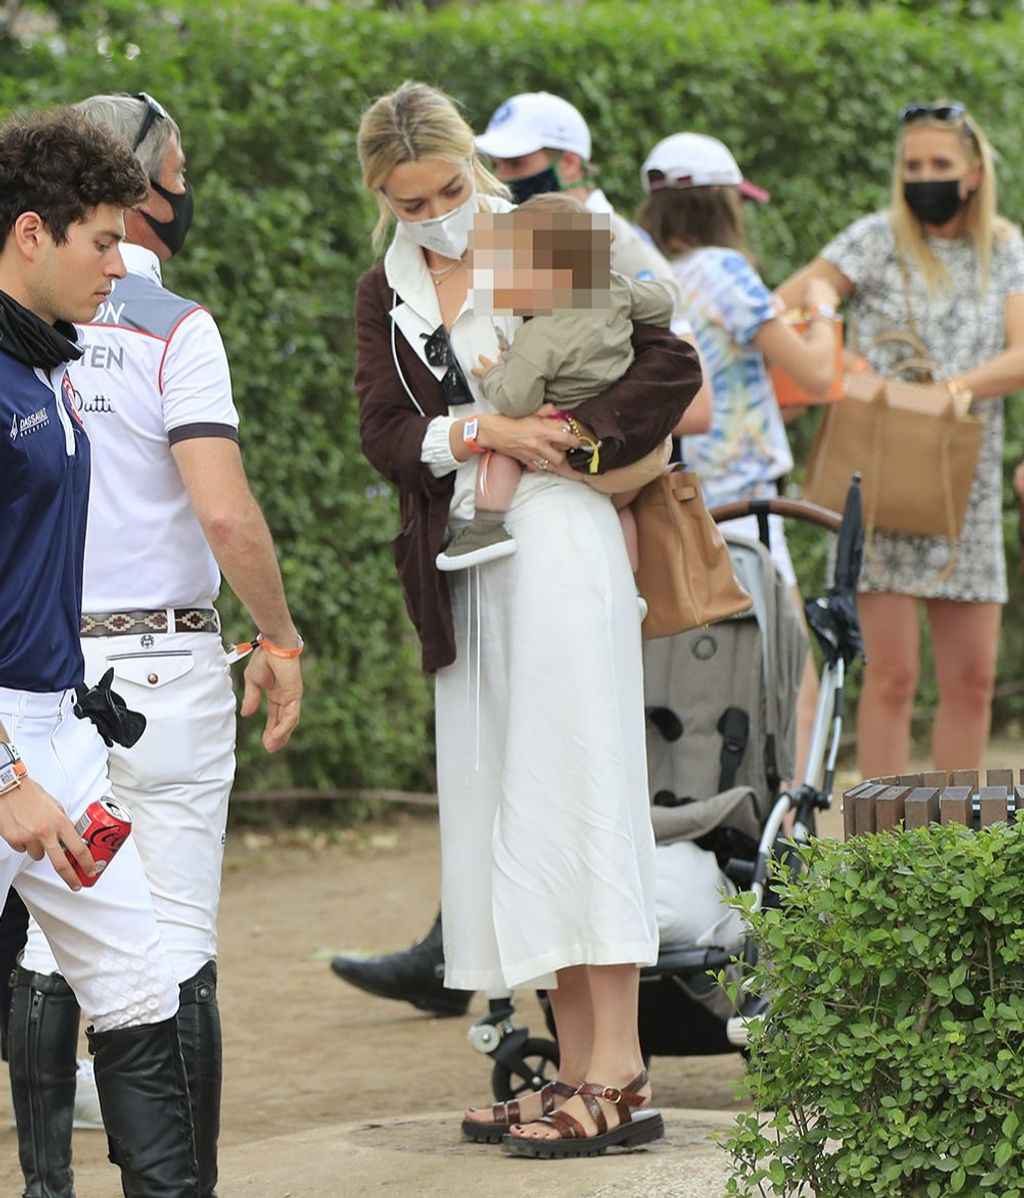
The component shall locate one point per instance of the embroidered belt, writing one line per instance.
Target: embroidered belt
(136, 623)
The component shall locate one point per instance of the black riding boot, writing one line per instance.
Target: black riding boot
(415, 975)
(199, 1032)
(13, 933)
(143, 1093)
(42, 1038)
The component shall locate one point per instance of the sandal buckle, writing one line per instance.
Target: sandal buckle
(611, 1094)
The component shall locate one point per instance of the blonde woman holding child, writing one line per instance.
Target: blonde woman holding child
(546, 842)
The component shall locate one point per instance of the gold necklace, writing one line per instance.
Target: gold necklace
(439, 276)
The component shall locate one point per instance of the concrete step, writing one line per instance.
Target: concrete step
(425, 1157)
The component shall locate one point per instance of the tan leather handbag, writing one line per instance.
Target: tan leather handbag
(685, 572)
(917, 465)
(916, 462)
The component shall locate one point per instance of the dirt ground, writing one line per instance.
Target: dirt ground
(304, 1050)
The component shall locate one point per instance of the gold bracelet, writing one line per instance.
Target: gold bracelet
(959, 393)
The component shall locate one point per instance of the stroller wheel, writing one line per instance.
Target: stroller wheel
(537, 1064)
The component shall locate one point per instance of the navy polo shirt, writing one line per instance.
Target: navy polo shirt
(44, 496)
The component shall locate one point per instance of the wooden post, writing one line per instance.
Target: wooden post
(849, 798)
(889, 807)
(993, 803)
(921, 807)
(937, 778)
(864, 809)
(965, 778)
(955, 801)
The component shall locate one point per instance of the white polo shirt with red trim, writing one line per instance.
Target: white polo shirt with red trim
(154, 372)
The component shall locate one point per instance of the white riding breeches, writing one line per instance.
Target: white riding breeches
(176, 781)
(104, 938)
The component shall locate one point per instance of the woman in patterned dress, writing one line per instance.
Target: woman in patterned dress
(942, 252)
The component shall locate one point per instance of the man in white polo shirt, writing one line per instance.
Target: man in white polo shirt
(170, 508)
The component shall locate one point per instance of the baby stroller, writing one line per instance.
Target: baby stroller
(721, 730)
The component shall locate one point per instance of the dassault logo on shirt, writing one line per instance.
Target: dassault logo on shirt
(28, 424)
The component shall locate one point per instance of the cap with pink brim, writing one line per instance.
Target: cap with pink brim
(695, 160)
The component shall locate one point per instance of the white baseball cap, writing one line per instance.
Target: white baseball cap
(693, 160)
(535, 121)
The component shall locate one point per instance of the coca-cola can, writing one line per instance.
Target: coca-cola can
(104, 826)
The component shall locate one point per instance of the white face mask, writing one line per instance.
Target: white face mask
(446, 235)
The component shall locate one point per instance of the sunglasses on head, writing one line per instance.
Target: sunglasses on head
(947, 113)
(155, 111)
(454, 388)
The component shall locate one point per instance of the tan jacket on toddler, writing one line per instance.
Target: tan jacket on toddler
(568, 357)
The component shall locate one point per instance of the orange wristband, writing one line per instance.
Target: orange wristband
(276, 650)
(470, 432)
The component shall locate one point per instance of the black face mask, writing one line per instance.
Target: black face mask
(173, 232)
(934, 202)
(535, 185)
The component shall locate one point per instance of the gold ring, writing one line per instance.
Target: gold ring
(541, 463)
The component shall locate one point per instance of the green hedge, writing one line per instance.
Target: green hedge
(892, 1062)
(269, 97)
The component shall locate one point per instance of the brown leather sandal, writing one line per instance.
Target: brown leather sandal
(504, 1114)
(635, 1126)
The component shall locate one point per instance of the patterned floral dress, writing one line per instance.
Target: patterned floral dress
(961, 328)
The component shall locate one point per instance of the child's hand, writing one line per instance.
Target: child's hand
(485, 366)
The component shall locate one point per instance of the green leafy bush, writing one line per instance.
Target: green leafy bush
(892, 1063)
(269, 97)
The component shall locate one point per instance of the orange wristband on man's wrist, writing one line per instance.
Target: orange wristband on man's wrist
(261, 642)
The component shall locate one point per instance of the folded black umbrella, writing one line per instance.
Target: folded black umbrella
(834, 619)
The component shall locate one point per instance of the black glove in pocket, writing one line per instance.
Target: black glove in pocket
(108, 711)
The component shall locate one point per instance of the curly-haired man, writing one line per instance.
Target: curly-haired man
(64, 186)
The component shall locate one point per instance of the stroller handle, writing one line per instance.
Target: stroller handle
(795, 509)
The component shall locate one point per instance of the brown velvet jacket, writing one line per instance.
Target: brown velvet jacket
(631, 418)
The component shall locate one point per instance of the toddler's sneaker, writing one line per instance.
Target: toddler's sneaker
(87, 1100)
(475, 544)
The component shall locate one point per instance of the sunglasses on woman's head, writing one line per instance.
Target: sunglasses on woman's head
(947, 113)
(438, 348)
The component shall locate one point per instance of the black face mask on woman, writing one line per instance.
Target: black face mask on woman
(934, 202)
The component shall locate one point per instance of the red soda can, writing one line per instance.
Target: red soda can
(104, 826)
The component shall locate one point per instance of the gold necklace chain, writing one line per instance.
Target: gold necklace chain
(439, 276)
